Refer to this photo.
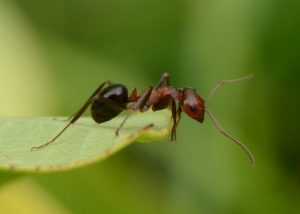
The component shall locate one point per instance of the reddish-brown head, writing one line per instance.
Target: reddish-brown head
(192, 104)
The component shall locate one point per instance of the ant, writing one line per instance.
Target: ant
(108, 102)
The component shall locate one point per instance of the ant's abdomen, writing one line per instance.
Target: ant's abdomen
(111, 101)
(101, 112)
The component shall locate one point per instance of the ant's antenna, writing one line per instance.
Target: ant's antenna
(222, 130)
(222, 82)
(218, 125)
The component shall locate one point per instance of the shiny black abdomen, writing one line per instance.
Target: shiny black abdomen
(112, 101)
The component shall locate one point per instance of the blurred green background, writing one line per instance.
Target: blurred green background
(55, 53)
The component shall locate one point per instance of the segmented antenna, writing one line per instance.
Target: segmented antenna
(218, 125)
(222, 130)
(222, 82)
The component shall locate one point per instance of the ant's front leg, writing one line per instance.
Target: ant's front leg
(164, 80)
(139, 104)
(76, 116)
(174, 117)
(175, 120)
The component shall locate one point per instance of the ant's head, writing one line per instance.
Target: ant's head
(192, 104)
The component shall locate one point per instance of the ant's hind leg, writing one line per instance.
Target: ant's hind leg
(164, 80)
(75, 117)
(87, 103)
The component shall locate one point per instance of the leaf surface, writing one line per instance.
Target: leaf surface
(82, 143)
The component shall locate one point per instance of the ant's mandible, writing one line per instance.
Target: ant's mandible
(108, 102)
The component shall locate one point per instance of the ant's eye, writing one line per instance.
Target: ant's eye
(192, 108)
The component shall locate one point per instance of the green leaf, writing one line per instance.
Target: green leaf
(82, 143)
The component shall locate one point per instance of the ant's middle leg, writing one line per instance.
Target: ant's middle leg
(77, 115)
(139, 104)
(164, 80)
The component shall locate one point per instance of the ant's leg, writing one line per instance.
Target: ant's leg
(175, 122)
(74, 118)
(179, 110)
(174, 117)
(164, 80)
(88, 102)
(139, 104)
(222, 82)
